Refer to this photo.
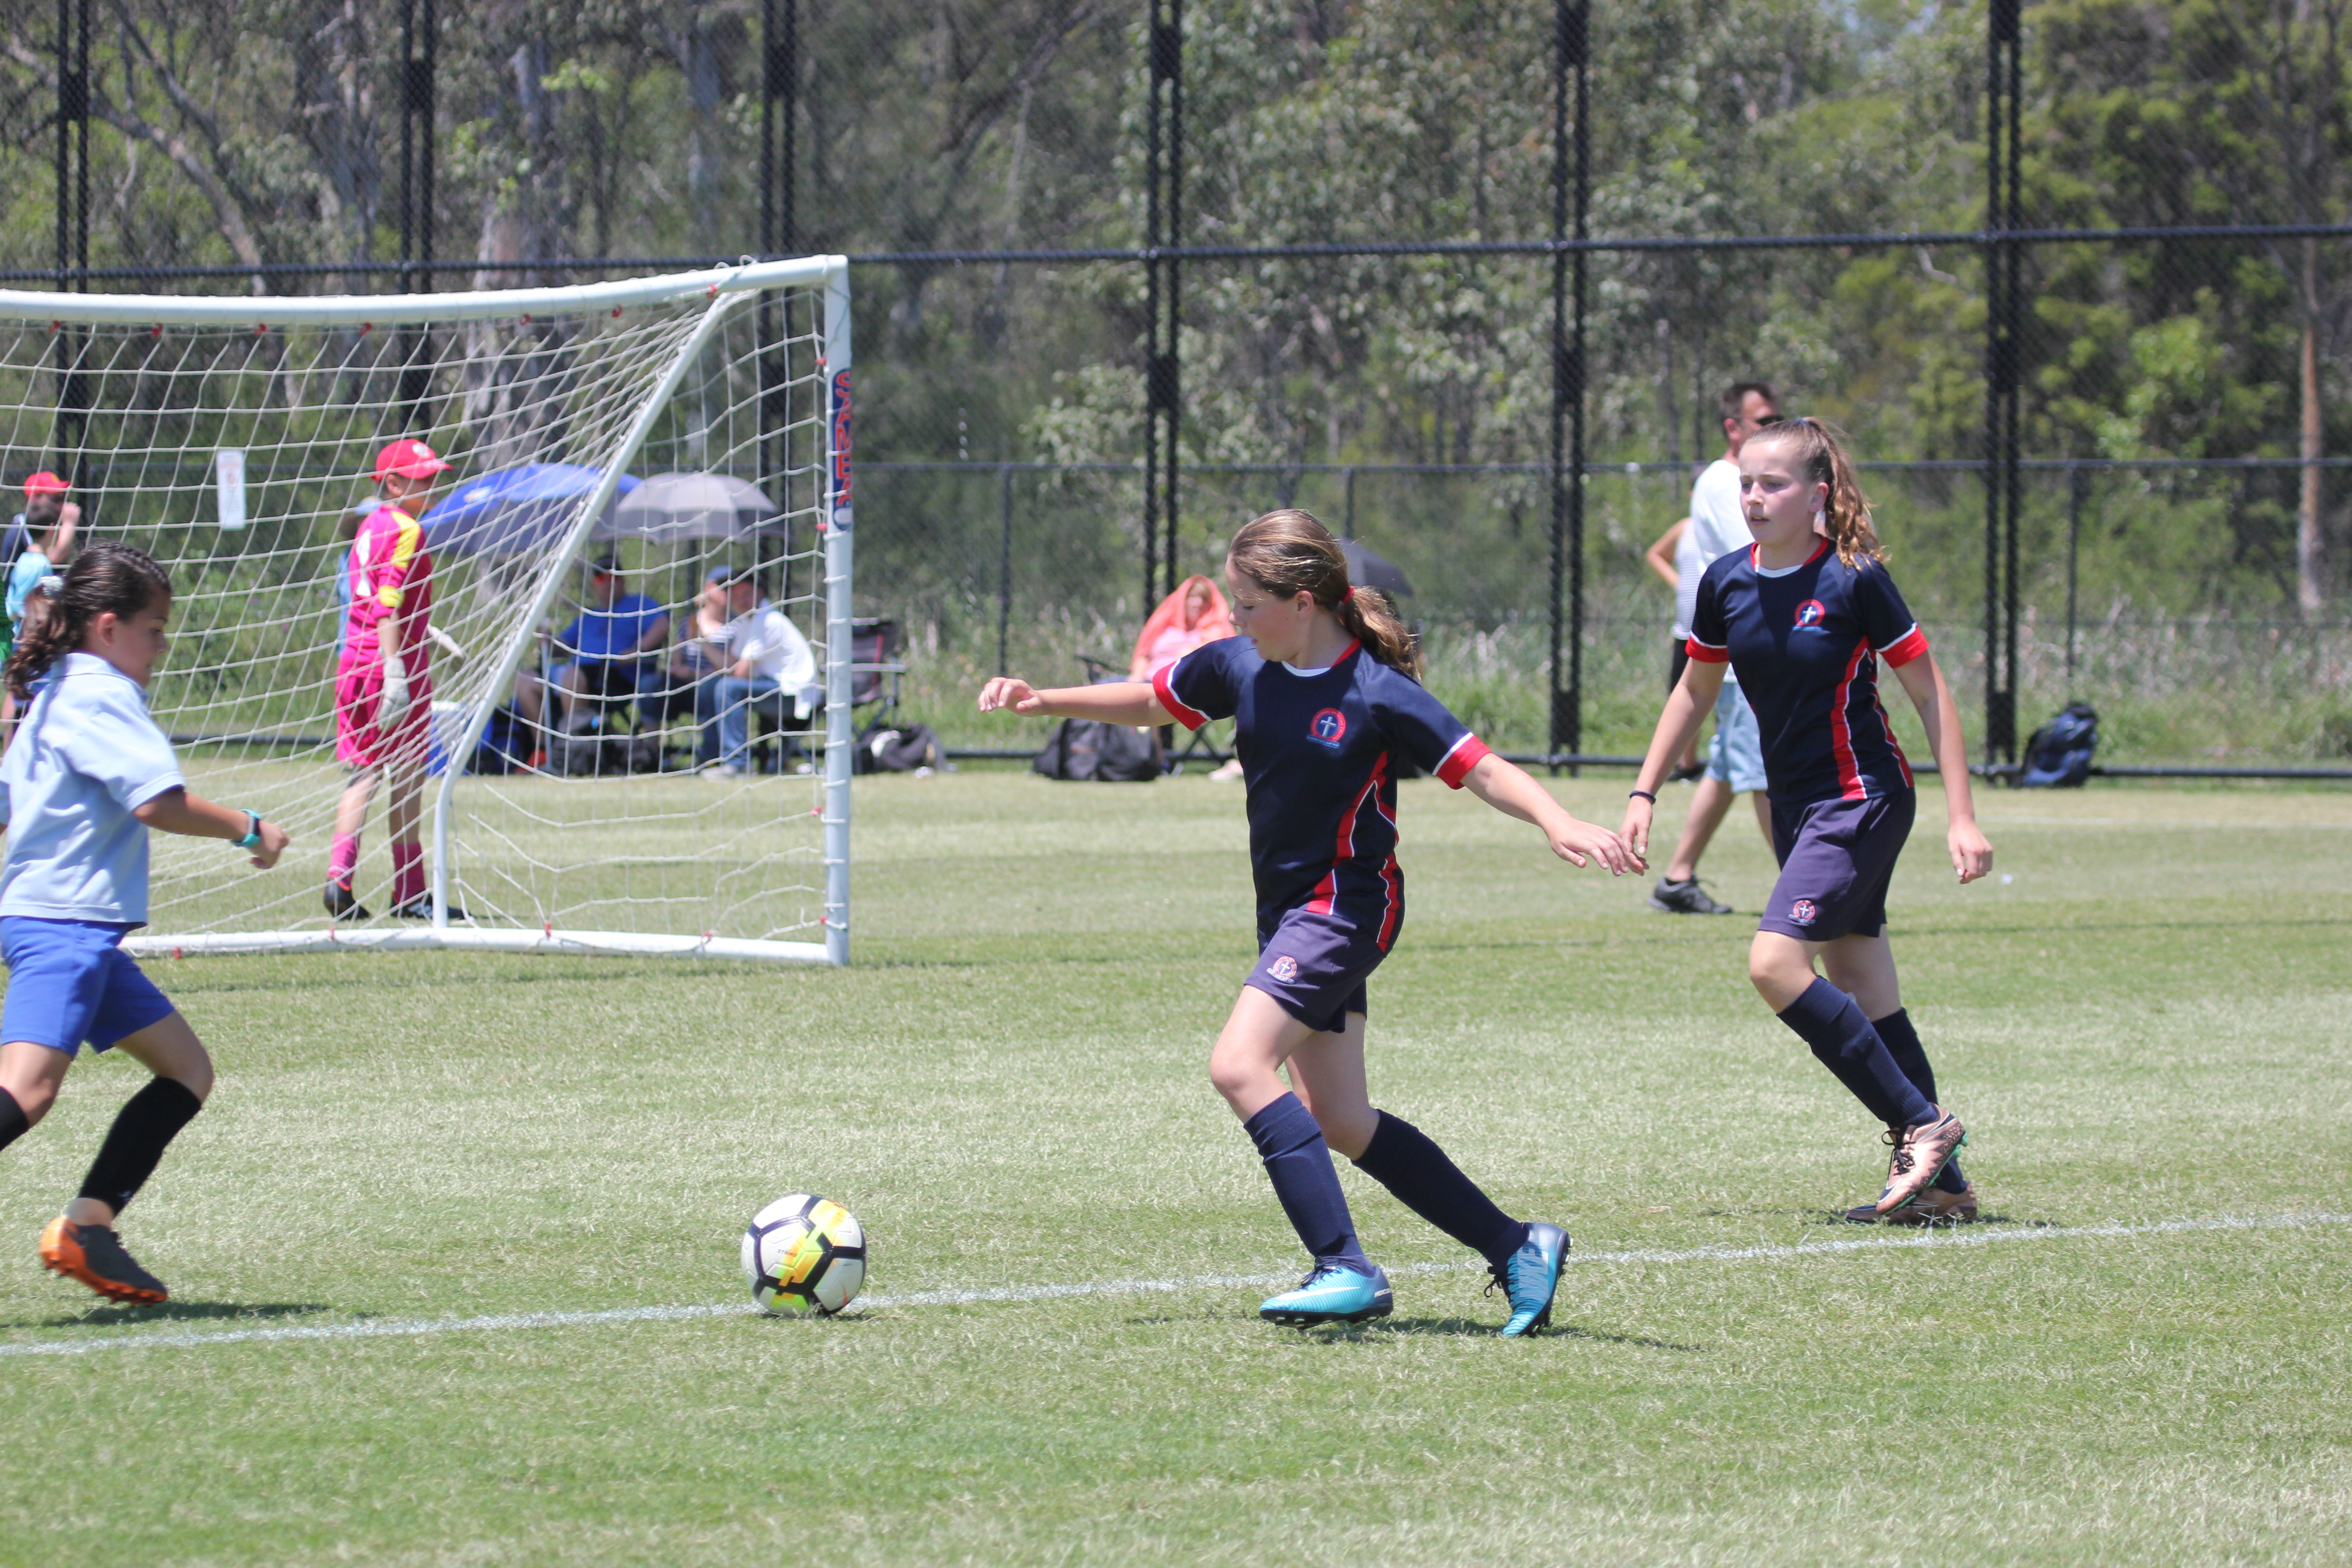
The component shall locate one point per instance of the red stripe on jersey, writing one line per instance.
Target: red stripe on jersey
(1707, 653)
(1466, 753)
(1390, 882)
(1905, 648)
(1756, 556)
(1192, 718)
(1343, 847)
(1842, 731)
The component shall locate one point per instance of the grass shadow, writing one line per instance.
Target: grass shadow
(177, 1313)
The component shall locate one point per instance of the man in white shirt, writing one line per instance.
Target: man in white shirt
(1735, 761)
(767, 662)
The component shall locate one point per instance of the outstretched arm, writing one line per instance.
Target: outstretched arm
(177, 811)
(1687, 706)
(1113, 702)
(1923, 678)
(1509, 790)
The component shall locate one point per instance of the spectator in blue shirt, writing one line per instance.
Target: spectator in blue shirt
(613, 651)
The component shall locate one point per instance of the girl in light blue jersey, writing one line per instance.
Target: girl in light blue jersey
(88, 774)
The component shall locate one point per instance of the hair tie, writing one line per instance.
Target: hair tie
(1350, 594)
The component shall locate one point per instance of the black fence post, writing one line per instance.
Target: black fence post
(780, 39)
(70, 429)
(1164, 230)
(1004, 568)
(2003, 488)
(1570, 29)
(420, 34)
(2074, 560)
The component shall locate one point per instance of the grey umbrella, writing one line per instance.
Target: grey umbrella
(671, 508)
(1367, 569)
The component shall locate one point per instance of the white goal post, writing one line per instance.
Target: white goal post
(626, 759)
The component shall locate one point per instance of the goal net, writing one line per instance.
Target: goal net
(623, 752)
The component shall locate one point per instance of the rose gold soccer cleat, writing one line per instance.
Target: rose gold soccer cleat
(94, 1255)
(1920, 1153)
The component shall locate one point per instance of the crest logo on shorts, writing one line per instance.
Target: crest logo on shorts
(1803, 912)
(1285, 969)
(1811, 613)
(1328, 728)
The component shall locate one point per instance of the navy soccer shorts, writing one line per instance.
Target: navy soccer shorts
(1316, 966)
(69, 981)
(1836, 859)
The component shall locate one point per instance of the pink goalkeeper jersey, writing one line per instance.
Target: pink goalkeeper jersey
(391, 579)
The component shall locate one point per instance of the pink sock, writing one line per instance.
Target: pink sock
(343, 858)
(407, 872)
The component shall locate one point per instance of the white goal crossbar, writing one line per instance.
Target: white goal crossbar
(701, 304)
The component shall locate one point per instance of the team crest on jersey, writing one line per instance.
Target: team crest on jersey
(1811, 613)
(1328, 728)
(1803, 912)
(1285, 969)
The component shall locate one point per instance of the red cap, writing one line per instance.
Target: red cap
(409, 460)
(45, 483)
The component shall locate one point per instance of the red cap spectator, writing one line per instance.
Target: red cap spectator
(410, 459)
(45, 483)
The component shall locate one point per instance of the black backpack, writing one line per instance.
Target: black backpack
(2059, 754)
(898, 750)
(1089, 751)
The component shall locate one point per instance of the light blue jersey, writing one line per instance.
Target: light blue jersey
(84, 757)
(23, 578)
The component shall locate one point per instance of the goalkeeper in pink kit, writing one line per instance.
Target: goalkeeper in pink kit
(384, 686)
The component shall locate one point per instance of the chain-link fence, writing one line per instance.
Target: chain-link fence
(1464, 280)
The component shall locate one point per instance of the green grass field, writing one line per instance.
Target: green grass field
(2146, 1026)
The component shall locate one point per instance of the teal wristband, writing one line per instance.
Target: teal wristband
(252, 839)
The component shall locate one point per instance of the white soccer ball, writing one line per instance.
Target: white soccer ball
(805, 1254)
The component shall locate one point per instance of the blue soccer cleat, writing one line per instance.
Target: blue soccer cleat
(1332, 1293)
(1531, 1277)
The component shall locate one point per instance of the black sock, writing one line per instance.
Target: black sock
(1298, 1163)
(142, 1128)
(1408, 1163)
(1902, 1044)
(1827, 1019)
(14, 1122)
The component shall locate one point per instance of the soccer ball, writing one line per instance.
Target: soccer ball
(804, 1254)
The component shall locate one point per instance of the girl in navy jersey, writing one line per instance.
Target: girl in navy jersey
(1801, 614)
(1321, 685)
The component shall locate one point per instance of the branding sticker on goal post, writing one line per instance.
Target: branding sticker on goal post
(841, 509)
(229, 469)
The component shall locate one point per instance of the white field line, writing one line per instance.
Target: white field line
(1929, 1241)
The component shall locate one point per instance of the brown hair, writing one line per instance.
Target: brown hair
(1734, 400)
(1288, 553)
(1821, 459)
(106, 576)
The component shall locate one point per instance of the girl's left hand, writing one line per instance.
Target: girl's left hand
(1971, 851)
(1574, 841)
(273, 844)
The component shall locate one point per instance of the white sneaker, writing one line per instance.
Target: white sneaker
(1230, 771)
(722, 771)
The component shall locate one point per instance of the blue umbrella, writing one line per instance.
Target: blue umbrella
(509, 512)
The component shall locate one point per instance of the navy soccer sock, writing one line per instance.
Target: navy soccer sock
(1902, 1044)
(1827, 1019)
(1408, 1163)
(146, 1124)
(1298, 1163)
(13, 1123)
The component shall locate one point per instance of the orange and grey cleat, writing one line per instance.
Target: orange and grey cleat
(1921, 1154)
(94, 1255)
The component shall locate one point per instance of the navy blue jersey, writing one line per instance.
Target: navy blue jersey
(1801, 642)
(1318, 752)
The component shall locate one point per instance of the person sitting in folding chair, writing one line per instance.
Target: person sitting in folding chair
(1193, 615)
(613, 651)
(769, 669)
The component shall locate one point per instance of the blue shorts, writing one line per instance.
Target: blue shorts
(1315, 965)
(1836, 859)
(1736, 754)
(70, 980)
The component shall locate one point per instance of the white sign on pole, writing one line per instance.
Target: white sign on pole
(230, 465)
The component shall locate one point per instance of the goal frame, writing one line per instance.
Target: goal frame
(727, 288)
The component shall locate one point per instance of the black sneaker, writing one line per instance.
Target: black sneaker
(341, 905)
(420, 907)
(1684, 898)
(1687, 773)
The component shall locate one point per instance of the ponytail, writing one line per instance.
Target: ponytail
(1288, 553)
(105, 577)
(1821, 457)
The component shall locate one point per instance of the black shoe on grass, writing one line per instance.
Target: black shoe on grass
(342, 905)
(420, 907)
(1684, 898)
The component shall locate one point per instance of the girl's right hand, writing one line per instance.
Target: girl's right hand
(1010, 691)
(1635, 833)
(273, 844)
